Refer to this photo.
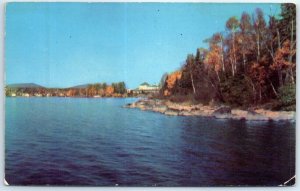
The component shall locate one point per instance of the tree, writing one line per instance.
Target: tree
(287, 97)
(200, 55)
(190, 64)
(163, 80)
(217, 41)
(122, 87)
(109, 90)
(273, 42)
(232, 25)
(282, 61)
(253, 63)
(171, 82)
(104, 85)
(245, 37)
(119, 87)
(213, 60)
(259, 25)
(288, 31)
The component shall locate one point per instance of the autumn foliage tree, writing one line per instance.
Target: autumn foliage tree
(252, 58)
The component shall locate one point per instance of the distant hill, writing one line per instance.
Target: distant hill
(24, 85)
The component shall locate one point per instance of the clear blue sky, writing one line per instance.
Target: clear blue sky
(67, 44)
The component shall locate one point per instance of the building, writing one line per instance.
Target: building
(146, 88)
(25, 95)
(128, 91)
(38, 95)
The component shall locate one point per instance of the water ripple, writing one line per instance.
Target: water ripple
(55, 141)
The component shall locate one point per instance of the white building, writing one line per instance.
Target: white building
(37, 95)
(147, 87)
(25, 95)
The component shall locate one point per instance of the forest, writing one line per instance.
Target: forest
(90, 90)
(251, 63)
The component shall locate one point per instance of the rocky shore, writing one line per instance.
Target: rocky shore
(220, 111)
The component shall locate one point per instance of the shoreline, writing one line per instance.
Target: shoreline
(219, 112)
(72, 97)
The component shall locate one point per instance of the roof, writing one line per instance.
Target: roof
(145, 84)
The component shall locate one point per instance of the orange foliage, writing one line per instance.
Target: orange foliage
(281, 57)
(109, 90)
(71, 93)
(101, 92)
(171, 80)
(258, 73)
(213, 59)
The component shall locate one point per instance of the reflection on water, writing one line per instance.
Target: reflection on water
(80, 141)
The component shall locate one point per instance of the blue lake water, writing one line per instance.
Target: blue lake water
(80, 141)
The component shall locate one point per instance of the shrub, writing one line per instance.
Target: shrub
(287, 97)
(236, 91)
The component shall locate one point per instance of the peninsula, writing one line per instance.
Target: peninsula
(248, 72)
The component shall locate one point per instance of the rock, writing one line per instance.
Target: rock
(160, 109)
(187, 113)
(257, 118)
(171, 112)
(252, 111)
(239, 112)
(223, 110)
(223, 116)
(277, 115)
(212, 103)
(130, 105)
(127, 105)
(196, 107)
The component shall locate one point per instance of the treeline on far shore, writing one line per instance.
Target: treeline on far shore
(251, 63)
(89, 90)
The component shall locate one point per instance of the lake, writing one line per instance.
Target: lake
(86, 141)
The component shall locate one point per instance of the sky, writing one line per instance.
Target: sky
(68, 44)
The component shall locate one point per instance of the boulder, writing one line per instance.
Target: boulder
(223, 110)
(239, 112)
(252, 111)
(171, 112)
(197, 107)
(160, 109)
(130, 105)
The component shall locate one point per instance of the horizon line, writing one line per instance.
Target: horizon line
(66, 87)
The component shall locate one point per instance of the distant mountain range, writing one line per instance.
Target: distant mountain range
(33, 85)
(24, 85)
